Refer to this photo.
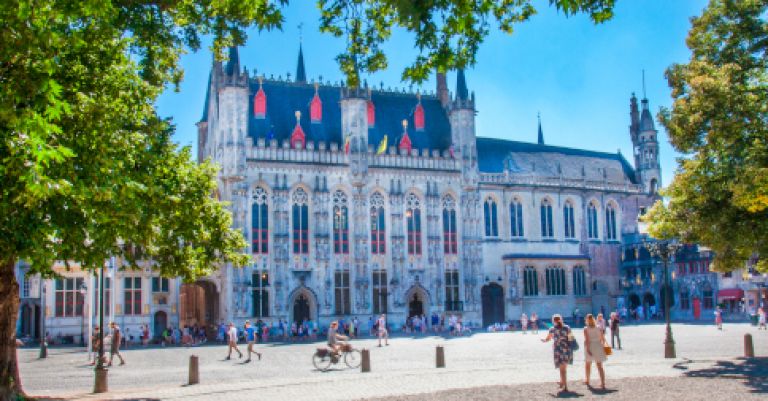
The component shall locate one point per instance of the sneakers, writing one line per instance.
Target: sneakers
(227, 358)
(247, 360)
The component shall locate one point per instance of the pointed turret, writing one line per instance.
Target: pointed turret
(461, 86)
(646, 119)
(634, 118)
(442, 89)
(301, 74)
(233, 63)
(541, 133)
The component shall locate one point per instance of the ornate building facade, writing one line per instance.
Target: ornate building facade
(359, 201)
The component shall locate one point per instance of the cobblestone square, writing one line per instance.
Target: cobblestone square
(406, 367)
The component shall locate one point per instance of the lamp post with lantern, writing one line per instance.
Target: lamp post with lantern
(83, 290)
(664, 250)
(43, 336)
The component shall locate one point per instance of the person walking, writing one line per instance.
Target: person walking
(594, 340)
(524, 323)
(232, 341)
(601, 323)
(114, 348)
(250, 335)
(719, 318)
(615, 330)
(94, 345)
(381, 328)
(535, 323)
(761, 319)
(563, 354)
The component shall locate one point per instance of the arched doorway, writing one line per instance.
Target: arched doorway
(634, 301)
(199, 304)
(649, 302)
(493, 304)
(160, 323)
(301, 308)
(415, 305)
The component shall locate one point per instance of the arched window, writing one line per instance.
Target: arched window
(516, 219)
(450, 245)
(530, 282)
(579, 281)
(610, 222)
(413, 221)
(378, 229)
(340, 223)
(569, 220)
(491, 223)
(555, 281)
(546, 219)
(260, 222)
(592, 221)
(300, 216)
(654, 185)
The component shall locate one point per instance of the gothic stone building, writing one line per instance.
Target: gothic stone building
(359, 201)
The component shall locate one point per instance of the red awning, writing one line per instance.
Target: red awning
(731, 293)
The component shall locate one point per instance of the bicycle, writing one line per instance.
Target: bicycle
(324, 358)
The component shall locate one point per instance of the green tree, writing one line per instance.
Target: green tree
(719, 121)
(87, 165)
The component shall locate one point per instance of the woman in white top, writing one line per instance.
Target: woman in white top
(601, 323)
(593, 349)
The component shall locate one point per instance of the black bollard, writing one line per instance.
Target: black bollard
(365, 366)
(749, 349)
(440, 357)
(194, 373)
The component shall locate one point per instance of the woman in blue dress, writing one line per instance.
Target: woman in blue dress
(563, 353)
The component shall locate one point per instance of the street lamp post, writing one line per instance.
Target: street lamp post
(83, 290)
(100, 385)
(664, 250)
(43, 337)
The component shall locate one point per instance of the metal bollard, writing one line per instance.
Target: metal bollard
(194, 373)
(365, 366)
(749, 349)
(440, 357)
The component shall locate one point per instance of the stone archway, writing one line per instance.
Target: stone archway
(199, 304)
(493, 304)
(303, 305)
(417, 300)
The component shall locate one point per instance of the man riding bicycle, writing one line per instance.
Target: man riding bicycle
(335, 340)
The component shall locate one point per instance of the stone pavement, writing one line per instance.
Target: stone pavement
(405, 367)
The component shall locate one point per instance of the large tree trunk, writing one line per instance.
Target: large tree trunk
(10, 384)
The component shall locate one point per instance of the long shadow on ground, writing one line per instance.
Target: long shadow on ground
(752, 371)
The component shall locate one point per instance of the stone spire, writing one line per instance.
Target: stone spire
(233, 64)
(301, 74)
(461, 86)
(541, 133)
(442, 89)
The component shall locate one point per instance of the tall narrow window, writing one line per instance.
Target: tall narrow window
(685, 300)
(610, 222)
(413, 220)
(379, 291)
(568, 220)
(132, 295)
(592, 221)
(555, 281)
(516, 219)
(450, 245)
(340, 223)
(260, 222)
(341, 287)
(452, 301)
(260, 284)
(160, 285)
(579, 281)
(530, 282)
(378, 228)
(300, 222)
(546, 219)
(491, 223)
(69, 300)
(708, 299)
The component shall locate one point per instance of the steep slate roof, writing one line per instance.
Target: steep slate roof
(495, 155)
(285, 98)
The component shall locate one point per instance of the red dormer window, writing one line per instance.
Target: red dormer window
(260, 104)
(405, 143)
(418, 117)
(371, 115)
(316, 109)
(298, 139)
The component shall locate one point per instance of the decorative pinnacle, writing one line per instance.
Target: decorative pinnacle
(298, 116)
(405, 125)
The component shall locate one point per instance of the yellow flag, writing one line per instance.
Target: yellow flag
(382, 146)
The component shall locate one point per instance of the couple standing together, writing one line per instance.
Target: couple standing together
(594, 349)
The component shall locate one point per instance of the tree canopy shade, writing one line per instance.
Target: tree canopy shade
(87, 165)
(719, 121)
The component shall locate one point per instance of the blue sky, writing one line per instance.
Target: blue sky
(578, 75)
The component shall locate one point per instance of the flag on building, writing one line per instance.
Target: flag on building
(382, 146)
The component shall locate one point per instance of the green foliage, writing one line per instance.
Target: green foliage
(719, 120)
(447, 33)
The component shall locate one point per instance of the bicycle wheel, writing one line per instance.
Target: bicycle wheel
(322, 363)
(353, 358)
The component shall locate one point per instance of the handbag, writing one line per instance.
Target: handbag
(608, 350)
(572, 342)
